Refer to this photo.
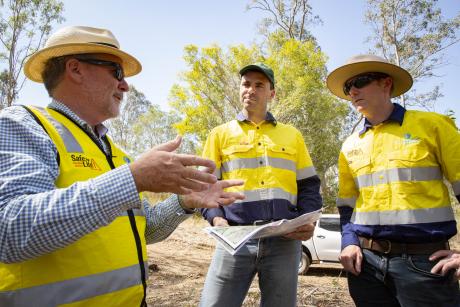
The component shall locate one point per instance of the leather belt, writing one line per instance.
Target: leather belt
(390, 247)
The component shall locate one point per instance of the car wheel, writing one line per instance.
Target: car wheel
(304, 263)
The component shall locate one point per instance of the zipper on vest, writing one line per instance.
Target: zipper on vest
(132, 220)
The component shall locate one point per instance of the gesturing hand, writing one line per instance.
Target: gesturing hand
(214, 196)
(162, 170)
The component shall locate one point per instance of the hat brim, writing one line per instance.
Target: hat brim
(402, 80)
(35, 64)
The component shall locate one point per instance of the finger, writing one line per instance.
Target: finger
(199, 176)
(231, 183)
(233, 195)
(192, 185)
(170, 145)
(439, 254)
(358, 262)
(191, 160)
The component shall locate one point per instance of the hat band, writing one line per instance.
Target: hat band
(105, 44)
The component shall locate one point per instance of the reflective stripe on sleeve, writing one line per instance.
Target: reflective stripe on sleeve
(274, 193)
(346, 202)
(74, 290)
(235, 164)
(399, 174)
(71, 144)
(306, 172)
(398, 217)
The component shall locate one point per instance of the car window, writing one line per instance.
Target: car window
(331, 224)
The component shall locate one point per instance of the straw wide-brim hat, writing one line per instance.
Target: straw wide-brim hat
(78, 40)
(402, 80)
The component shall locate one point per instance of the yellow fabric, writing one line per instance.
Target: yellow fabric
(424, 143)
(233, 141)
(109, 248)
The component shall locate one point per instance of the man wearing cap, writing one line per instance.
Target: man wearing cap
(73, 221)
(394, 206)
(280, 183)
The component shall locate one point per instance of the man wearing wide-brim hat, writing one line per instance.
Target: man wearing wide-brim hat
(73, 222)
(394, 206)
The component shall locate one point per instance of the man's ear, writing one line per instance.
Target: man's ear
(388, 84)
(73, 70)
(272, 94)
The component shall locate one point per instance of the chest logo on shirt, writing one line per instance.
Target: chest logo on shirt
(82, 161)
(410, 139)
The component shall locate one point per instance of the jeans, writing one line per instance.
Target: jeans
(401, 280)
(275, 260)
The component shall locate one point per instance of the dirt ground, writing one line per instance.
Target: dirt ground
(183, 259)
(180, 264)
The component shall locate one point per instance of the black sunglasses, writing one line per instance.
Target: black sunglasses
(117, 73)
(362, 80)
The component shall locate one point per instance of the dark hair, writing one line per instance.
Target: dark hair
(55, 67)
(53, 72)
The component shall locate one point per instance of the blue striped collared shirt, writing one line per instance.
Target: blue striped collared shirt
(36, 218)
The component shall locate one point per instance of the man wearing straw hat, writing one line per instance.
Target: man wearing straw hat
(394, 206)
(73, 222)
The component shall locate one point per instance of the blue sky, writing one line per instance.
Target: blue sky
(157, 31)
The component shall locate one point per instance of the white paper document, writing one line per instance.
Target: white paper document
(232, 238)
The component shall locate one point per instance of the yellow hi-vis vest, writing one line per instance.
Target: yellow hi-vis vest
(104, 268)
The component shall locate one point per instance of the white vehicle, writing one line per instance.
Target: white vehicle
(324, 245)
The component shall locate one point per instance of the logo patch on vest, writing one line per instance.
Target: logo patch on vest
(81, 161)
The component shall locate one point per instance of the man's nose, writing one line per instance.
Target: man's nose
(123, 85)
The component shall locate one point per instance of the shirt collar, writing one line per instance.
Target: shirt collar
(100, 129)
(268, 118)
(397, 115)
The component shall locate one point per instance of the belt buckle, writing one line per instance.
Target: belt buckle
(259, 222)
(386, 252)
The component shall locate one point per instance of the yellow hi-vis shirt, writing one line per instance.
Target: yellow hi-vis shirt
(271, 157)
(102, 268)
(392, 175)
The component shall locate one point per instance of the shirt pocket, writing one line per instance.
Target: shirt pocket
(236, 151)
(360, 166)
(280, 150)
(407, 158)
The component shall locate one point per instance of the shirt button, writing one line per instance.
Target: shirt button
(260, 162)
(283, 149)
(259, 143)
(258, 127)
(261, 182)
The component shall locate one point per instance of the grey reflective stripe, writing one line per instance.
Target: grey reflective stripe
(70, 142)
(74, 290)
(456, 187)
(137, 212)
(398, 217)
(306, 172)
(274, 193)
(258, 162)
(346, 202)
(399, 174)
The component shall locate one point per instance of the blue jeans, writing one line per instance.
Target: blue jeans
(401, 280)
(275, 260)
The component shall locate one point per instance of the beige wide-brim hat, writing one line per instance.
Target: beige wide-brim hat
(78, 40)
(402, 80)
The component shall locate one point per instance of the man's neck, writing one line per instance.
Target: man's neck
(380, 115)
